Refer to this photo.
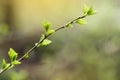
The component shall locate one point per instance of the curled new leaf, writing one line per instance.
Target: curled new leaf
(10, 65)
(16, 62)
(12, 54)
(88, 11)
(42, 37)
(46, 25)
(50, 32)
(26, 56)
(4, 64)
(69, 25)
(85, 9)
(91, 11)
(46, 42)
(81, 22)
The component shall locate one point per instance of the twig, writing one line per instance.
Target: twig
(39, 42)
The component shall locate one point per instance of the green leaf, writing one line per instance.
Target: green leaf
(42, 37)
(91, 11)
(4, 64)
(85, 9)
(37, 44)
(81, 22)
(69, 25)
(50, 32)
(11, 65)
(46, 42)
(12, 54)
(16, 62)
(26, 56)
(46, 25)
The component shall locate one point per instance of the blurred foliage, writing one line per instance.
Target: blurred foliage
(15, 75)
(4, 31)
(92, 56)
(22, 75)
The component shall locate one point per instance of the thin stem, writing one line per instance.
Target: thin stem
(71, 22)
(2, 71)
(39, 42)
(28, 52)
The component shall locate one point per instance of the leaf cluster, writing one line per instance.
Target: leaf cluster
(13, 60)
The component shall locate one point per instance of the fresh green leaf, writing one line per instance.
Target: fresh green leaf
(50, 32)
(46, 42)
(12, 54)
(37, 44)
(81, 21)
(85, 9)
(26, 56)
(4, 64)
(16, 62)
(11, 65)
(46, 25)
(8, 64)
(91, 11)
(69, 25)
(42, 37)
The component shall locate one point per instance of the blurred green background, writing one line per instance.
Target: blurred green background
(89, 52)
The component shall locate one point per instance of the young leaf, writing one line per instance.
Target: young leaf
(42, 37)
(50, 32)
(91, 11)
(81, 22)
(85, 9)
(4, 64)
(37, 44)
(46, 25)
(26, 56)
(46, 42)
(12, 54)
(69, 25)
(16, 62)
(11, 65)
